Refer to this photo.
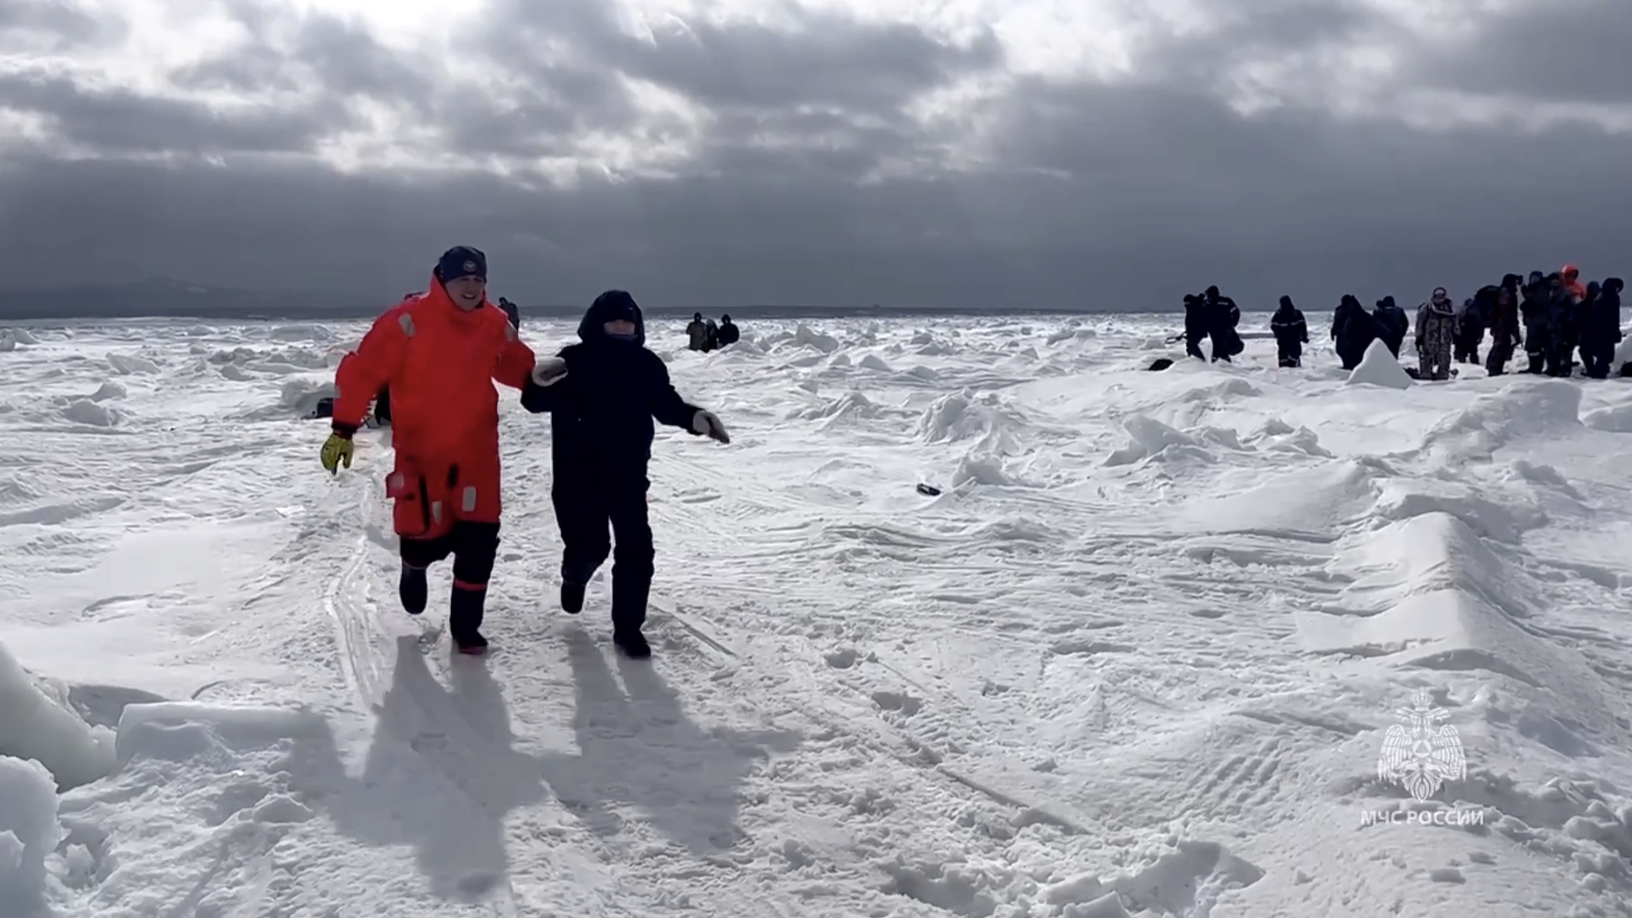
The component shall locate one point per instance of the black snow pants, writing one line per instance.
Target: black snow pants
(474, 547)
(1289, 354)
(584, 511)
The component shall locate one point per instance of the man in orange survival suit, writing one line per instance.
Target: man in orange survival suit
(1572, 282)
(439, 351)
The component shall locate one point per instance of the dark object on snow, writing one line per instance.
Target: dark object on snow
(1160, 363)
(931, 490)
(1416, 373)
(323, 409)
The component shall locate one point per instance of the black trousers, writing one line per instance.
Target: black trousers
(1290, 355)
(594, 516)
(473, 547)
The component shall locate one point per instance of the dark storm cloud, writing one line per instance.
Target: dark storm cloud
(120, 121)
(1118, 195)
(1564, 51)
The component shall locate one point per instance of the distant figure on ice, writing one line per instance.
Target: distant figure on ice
(1561, 315)
(729, 333)
(1222, 318)
(1570, 275)
(1195, 325)
(712, 335)
(1291, 333)
(1353, 330)
(602, 395)
(697, 333)
(512, 311)
(1503, 311)
(1602, 331)
(1436, 334)
(440, 352)
(1470, 331)
(1533, 312)
(1392, 325)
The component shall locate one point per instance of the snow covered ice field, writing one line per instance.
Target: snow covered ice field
(1139, 658)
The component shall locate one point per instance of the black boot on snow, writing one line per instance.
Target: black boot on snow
(412, 589)
(465, 620)
(632, 644)
(572, 597)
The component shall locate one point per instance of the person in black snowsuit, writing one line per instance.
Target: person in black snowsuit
(1291, 333)
(1580, 316)
(697, 333)
(1195, 325)
(513, 311)
(1222, 318)
(1502, 308)
(1533, 313)
(1602, 330)
(1561, 310)
(602, 396)
(1469, 332)
(729, 333)
(1392, 325)
(1353, 330)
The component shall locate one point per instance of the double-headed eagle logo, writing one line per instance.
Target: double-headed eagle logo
(1421, 753)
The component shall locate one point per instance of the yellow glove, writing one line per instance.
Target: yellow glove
(337, 450)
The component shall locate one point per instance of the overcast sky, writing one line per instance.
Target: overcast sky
(1018, 153)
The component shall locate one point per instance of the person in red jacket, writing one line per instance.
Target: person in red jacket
(439, 352)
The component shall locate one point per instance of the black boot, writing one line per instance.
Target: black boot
(632, 644)
(465, 620)
(412, 589)
(572, 596)
(629, 594)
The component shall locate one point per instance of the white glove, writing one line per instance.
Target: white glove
(547, 371)
(706, 424)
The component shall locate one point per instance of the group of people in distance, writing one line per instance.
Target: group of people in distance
(439, 353)
(1553, 317)
(703, 335)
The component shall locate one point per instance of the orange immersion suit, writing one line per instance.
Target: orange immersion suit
(440, 363)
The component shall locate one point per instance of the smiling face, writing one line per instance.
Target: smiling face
(466, 292)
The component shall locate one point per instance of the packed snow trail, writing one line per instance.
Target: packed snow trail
(1138, 656)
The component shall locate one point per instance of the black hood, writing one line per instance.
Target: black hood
(1286, 304)
(611, 306)
(1349, 301)
(1511, 281)
(1614, 285)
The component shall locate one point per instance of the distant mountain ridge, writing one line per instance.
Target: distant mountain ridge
(159, 298)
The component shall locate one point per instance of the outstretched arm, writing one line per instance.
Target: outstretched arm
(363, 371)
(666, 404)
(546, 386)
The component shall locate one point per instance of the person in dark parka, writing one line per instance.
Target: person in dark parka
(1533, 313)
(1353, 330)
(1392, 325)
(1469, 331)
(1195, 325)
(1561, 315)
(1222, 318)
(513, 311)
(1503, 310)
(602, 396)
(729, 333)
(1602, 331)
(1581, 317)
(1291, 333)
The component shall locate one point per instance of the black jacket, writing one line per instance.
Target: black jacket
(1289, 327)
(602, 411)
